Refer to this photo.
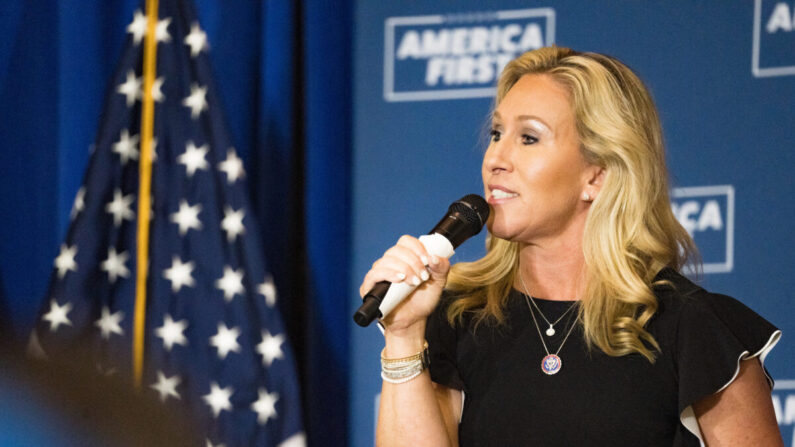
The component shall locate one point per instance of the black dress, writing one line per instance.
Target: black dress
(595, 399)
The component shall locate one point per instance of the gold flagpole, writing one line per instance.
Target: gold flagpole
(144, 191)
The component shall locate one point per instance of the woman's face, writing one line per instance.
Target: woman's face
(533, 172)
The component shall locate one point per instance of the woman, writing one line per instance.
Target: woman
(575, 328)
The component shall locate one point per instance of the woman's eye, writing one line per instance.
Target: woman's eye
(529, 139)
(494, 135)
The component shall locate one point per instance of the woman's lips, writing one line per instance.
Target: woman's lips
(500, 194)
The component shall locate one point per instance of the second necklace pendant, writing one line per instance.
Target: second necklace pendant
(551, 364)
(550, 331)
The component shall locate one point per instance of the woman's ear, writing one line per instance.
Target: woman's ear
(597, 177)
(594, 177)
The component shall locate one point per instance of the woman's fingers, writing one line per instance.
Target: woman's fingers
(414, 244)
(394, 269)
(405, 261)
(412, 263)
(378, 274)
(438, 267)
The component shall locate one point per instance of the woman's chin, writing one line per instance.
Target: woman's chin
(502, 231)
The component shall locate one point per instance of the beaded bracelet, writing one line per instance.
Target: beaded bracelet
(406, 368)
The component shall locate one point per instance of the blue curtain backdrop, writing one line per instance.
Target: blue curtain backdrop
(283, 70)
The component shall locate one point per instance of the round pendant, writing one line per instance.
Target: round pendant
(551, 364)
(550, 331)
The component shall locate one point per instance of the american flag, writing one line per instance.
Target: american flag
(215, 345)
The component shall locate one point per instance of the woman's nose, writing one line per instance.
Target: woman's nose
(497, 157)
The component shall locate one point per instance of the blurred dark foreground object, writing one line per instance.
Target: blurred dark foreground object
(69, 404)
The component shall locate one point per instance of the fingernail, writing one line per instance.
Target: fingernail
(434, 260)
(424, 275)
(424, 260)
(401, 276)
(416, 281)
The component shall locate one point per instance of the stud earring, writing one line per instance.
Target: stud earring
(586, 197)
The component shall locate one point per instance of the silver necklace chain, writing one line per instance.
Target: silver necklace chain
(532, 314)
(551, 364)
(551, 330)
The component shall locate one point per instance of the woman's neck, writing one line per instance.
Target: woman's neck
(554, 271)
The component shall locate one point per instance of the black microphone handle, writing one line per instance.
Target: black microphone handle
(369, 311)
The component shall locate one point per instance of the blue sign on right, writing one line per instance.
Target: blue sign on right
(774, 38)
(707, 213)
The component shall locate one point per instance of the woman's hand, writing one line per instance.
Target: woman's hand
(408, 261)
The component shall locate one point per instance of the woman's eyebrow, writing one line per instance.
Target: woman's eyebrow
(532, 118)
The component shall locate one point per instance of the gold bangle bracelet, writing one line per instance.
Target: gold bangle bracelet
(412, 358)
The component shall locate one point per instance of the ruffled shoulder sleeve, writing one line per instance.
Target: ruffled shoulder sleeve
(714, 334)
(442, 347)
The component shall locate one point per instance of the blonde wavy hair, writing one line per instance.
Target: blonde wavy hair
(630, 231)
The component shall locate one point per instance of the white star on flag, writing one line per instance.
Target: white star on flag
(270, 348)
(157, 90)
(196, 40)
(179, 274)
(66, 260)
(218, 398)
(154, 159)
(138, 27)
(58, 315)
(187, 217)
(232, 223)
(172, 332)
(232, 166)
(115, 264)
(110, 323)
(231, 283)
(197, 101)
(265, 406)
(79, 203)
(161, 30)
(268, 290)
(193, 158)
(166, 386)
(119, 207)
(126, 147)
(131, 88)
(225, 340)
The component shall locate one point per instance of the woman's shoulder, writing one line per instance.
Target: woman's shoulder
(474, 317)
(677, 294)
(439, 316)
(693, 318)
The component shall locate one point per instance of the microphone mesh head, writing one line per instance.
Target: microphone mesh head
(473, 209)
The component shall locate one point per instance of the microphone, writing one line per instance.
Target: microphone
(465, 218)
